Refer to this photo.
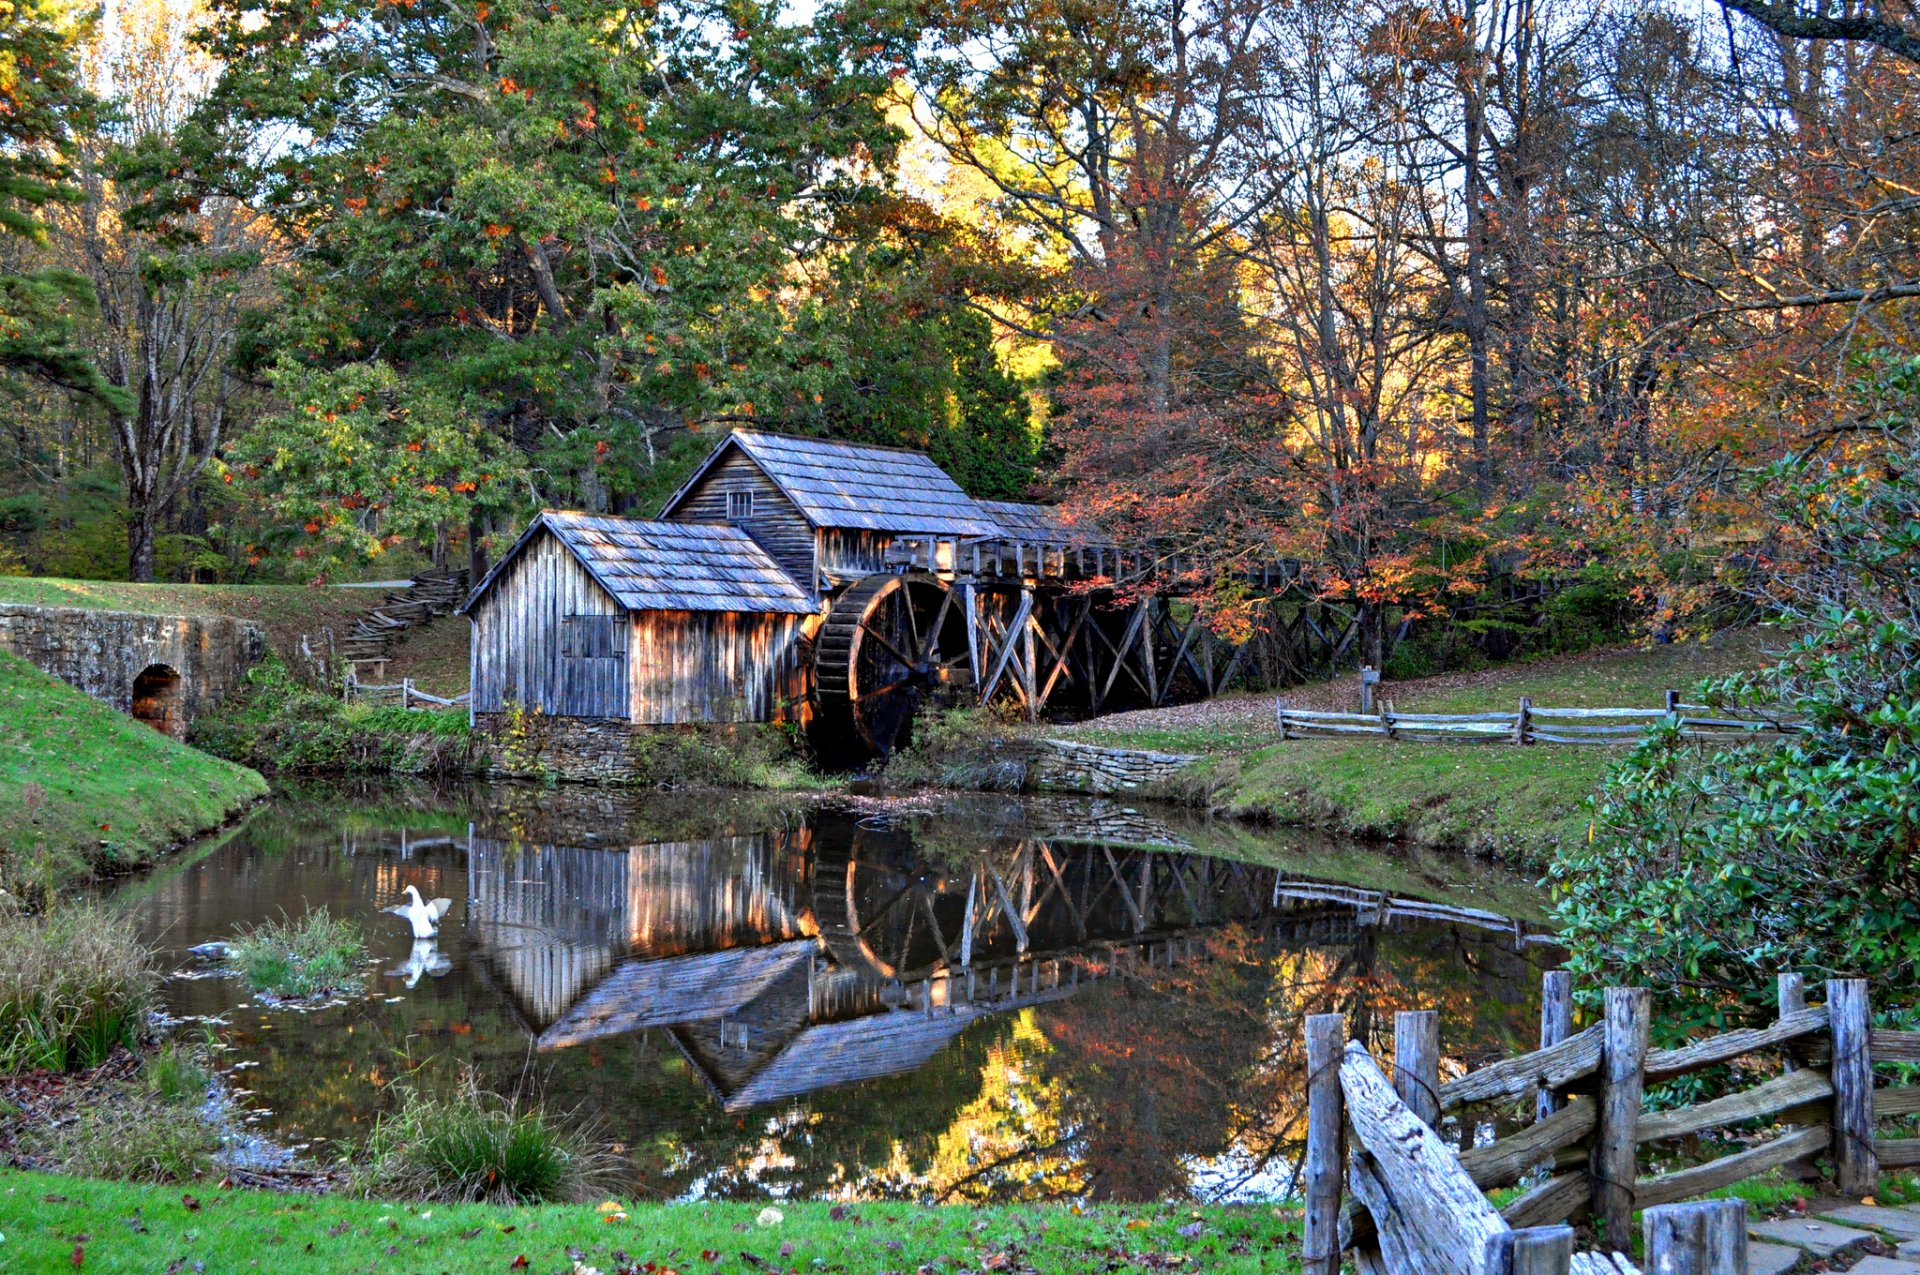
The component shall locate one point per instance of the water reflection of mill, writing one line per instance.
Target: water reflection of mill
(784, 962)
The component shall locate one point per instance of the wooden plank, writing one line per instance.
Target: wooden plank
(1326, 1152)
(1558, 1199)
(1790, 991)
(1897, 1153)
(1664, 1064)
(1556, 1025)
(1728, 1170)
(1416, 1062)
(1625, 1025)
(1571, 714)
(1896, 1102)
(1855, 1171)
(1706, 1237)
(1514, 1078)
(1435, 1210)
(1892, 1046)
(1505, 1162)
(1779, 1094)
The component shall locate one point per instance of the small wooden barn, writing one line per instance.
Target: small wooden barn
(649, 622)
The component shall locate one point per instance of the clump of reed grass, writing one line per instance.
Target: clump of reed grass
(474, 1146)
(74, 983)
(177, 1073)
(317, 955)
(129, 1135)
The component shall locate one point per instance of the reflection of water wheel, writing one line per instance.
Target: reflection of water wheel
(882, 914)
(890, 644)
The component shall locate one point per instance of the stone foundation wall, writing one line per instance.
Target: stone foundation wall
(574, 748)
(1068, 766)
(103, 652)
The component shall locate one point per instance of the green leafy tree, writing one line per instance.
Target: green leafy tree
(364, 460)
(41, 101)
(588, 220)
(1709, 870)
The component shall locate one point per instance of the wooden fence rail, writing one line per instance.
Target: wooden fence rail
(403, 693)
(1418, 1205)
(1529, 724)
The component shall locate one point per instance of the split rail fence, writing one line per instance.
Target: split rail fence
(1418, 1205)
(403, 693)
(1530, 724)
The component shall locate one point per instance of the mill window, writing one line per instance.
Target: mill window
(739, 506)
(593, 637)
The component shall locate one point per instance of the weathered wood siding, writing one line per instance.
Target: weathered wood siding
(717, 666)
(777, 524)
(849, 554)
(518, 640)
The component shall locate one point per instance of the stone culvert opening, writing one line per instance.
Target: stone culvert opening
(159, 700)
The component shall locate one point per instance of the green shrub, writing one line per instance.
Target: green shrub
(475, 1146)
(1709, 870)
(74, 984)
(313, 956)
(716, 755)
(983, 749)
(277, 722)
(129, 1136)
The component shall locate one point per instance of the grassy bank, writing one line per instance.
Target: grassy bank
(116, 1227)
(1518, 803)
(87, 790)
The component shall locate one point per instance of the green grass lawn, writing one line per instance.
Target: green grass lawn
(84, 788)
(54, 1223)
(1518, 803)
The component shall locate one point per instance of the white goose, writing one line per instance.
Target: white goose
(423, 916)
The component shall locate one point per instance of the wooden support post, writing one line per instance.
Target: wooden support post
(1793, 999)
(1369, 678)
(1556, 1025)
(1705, 1237)
(1521, 722)
(1539, 1250)
(1856, 1171)
(1673, 701)
(1280, 716)
(1623, 1078)
(1326, 1155)
(1416, 1062)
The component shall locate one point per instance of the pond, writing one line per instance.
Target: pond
(954, 999)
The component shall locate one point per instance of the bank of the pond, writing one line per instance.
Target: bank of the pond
(85, 789)
(53, 1222)
(1517, 803)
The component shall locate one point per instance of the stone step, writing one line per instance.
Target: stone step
(1771, 1259)
(1883, 1266)
(1900, 1224)
(1810, 1235)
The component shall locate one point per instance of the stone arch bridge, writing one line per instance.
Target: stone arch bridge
(163, 669)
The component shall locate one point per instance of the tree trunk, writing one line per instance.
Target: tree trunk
(140, 535)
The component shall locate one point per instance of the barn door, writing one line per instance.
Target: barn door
(593, 666)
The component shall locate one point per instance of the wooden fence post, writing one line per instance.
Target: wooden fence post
(1556, 1025)
(1856, 1171)
(1416, 1062)
(1622, 1080)
(1539, 1250)
(1280, 716)
(1369, 678)
(1793, 999)
(1326, 1158)
(1521, 724)
(1673, 701)
(1706, 1237)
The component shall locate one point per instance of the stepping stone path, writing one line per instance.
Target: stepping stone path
(1838, 1229)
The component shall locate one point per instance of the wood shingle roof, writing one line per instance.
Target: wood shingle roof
(1019, 520)
(667, 566)
(858, 486)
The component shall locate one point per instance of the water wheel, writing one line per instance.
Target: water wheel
(882, 913)
(890, 645)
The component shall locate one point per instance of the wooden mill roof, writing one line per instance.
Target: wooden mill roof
(675, 989)
(666, 566)
(857, 486)
(1019, 520)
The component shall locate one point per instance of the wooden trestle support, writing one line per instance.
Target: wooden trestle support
(1044, 628)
